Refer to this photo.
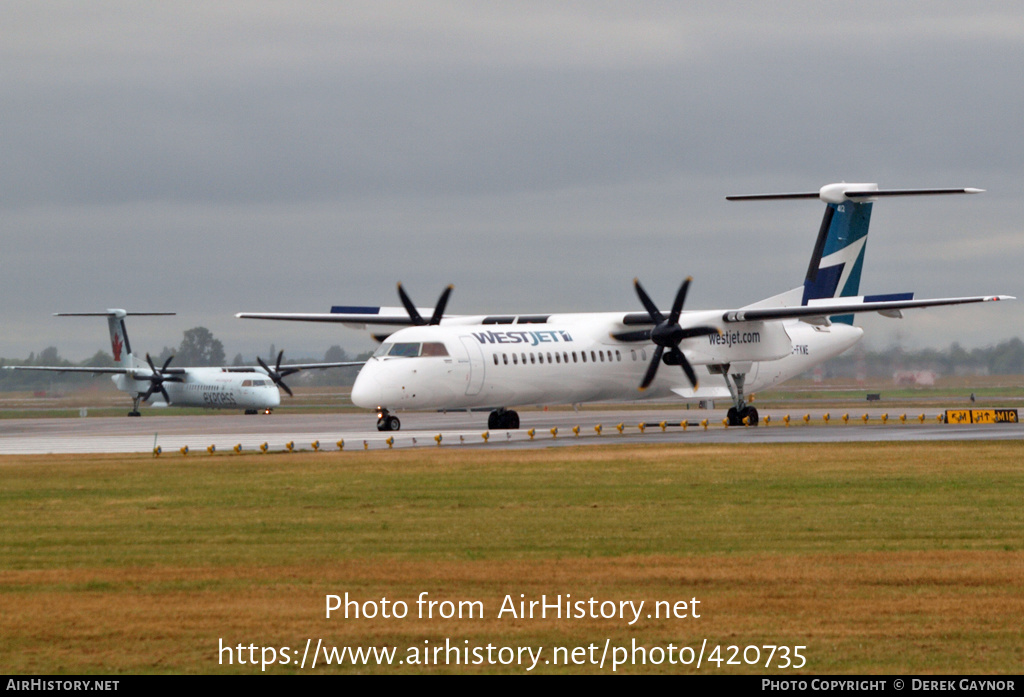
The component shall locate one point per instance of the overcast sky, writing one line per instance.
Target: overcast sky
(211, 158)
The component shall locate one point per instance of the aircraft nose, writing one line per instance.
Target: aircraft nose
(366, 392)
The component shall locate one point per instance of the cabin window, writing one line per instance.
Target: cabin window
(495, 359)
(574, 357)
(593, 357)
(618, 356)
(504, 358)
(533, 358)
(515, 359)
(558, 359)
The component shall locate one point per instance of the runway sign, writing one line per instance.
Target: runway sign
(981, 416)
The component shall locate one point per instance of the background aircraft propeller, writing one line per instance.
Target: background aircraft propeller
(276, 374)
(414, 314)
(157, 379)
(666, 334)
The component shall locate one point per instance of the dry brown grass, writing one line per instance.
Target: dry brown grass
(941, 612)
(879, 558)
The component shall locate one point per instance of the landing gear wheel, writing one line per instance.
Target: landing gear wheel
(734, 417)
(250, 412)
(135, 413)
(501, 419)
(388, 423)
(751, 414)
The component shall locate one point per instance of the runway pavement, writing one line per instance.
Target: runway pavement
(460, 429)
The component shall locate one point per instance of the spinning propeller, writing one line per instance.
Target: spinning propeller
(276, 374)
(667, 334)
(157, 379)
(414, 314)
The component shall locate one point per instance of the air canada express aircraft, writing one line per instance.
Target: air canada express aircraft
(497, 362)
(252, 389)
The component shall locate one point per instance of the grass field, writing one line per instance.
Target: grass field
(878, 558)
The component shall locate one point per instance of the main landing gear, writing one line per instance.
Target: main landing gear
(387, 422)
(741, 411)
(135, 405)
(501, 419)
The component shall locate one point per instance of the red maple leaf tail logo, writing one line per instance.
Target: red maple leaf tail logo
(117, 346)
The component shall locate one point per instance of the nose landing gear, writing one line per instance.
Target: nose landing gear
(387, 422)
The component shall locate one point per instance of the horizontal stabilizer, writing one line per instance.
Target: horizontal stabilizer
(837, 193)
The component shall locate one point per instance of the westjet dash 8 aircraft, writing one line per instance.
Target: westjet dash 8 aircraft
(498, 362)
(251, 388)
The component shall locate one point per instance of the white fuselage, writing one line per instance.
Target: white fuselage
(573, 359)
(211, 388)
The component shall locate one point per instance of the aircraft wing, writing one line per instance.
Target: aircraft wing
(134, 372)
(293, 367)
(356, 316)
(818, 311)
(68, 369)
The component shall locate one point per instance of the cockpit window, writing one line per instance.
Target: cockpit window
(406, 350)
(434, 348)
(412, 350)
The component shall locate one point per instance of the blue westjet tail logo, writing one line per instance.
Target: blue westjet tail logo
(530, 338)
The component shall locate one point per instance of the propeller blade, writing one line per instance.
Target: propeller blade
(648, 304)
(441, 304)
(414, 314)
(688, 369)
(677, 306)
(166, 363)
(167, 397)
(640, 335)
(277, 375)
(151, 366)
(652, 369)
(667, 334)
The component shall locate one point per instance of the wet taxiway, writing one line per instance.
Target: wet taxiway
(357, 431)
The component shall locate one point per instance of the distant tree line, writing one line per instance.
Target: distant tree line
(1005, 358)
(198, 348)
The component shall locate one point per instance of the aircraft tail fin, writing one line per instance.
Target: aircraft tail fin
(838, 256)
(121, 348)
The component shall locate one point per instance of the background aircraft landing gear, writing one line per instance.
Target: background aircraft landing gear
(387, 422)
(503, 419)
